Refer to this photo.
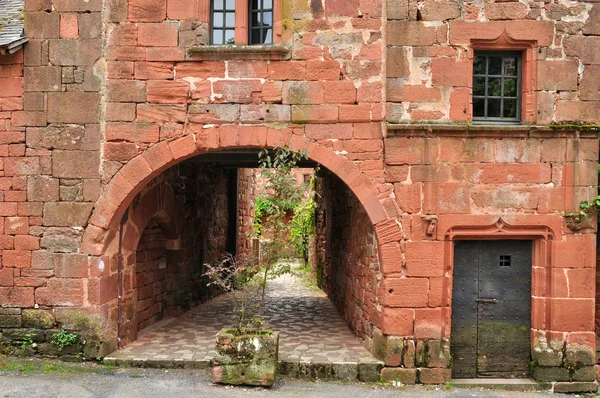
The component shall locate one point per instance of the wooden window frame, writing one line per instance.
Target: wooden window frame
(242, 22)
(500, 119)
(528, 50)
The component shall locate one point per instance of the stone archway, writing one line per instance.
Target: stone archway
(104, 225)
(130, 180)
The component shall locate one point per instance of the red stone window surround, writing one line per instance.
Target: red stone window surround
(528, 70)
(241, 49)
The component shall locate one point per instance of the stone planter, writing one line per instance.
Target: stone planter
(249, 359)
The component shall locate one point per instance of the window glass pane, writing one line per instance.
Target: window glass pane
(255, 36)
(493, 107)
(269, 37)
(495, 65)
(255, 4)
(230, 4)
(510, 66)
(510, 108)
(510, 87)
(218, 20)
(268, 18)
(267, 4)
(479, 107)
(494, 87)
(218, 5)
(479, 65)
(479, 86)
(229, 34)
(230, 20)
(217, 36)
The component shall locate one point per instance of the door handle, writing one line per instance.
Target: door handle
(487, 300)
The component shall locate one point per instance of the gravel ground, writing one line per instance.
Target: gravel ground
(27, 378)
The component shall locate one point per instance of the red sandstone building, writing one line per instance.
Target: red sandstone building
(444, 130)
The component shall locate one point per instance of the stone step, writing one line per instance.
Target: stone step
(344, 371)
(503, 384)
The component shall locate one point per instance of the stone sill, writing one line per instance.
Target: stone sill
(486, 130)
(234, 52)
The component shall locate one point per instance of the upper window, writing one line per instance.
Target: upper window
(496, 87)
(222, 22)
(259, 24)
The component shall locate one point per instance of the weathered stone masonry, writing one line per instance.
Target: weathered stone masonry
(114, 93)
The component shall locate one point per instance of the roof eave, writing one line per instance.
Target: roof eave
(13, 47)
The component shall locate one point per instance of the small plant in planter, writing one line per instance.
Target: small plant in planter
(247, 353)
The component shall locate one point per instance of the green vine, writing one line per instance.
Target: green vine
(63, 338)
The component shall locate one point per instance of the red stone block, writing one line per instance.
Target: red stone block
(450, 72)
(408, 197)
(120, 151)
(16, 226)
(26, 242)
(402, 150)
(158, 156)
(397, 91)
(247, 69)
(200, 70)
(495, 173)
(158, 34)
(61, 292)
(147, 10)
(11, 87)
(6, 277)
(510, 11)
(398, 321)
(339, 92)
(338, 131)
(16, 258)
(287, 70)
(237, 91)
(404, 292)
(323, 70)
(314, 114)
(165, 54)
(120, 69)
(355, 113)
(161, 113)
(71, 265)
(17, 297)
(168, 92)
(428, 323)
(556, 75)
(69, 27)
(460, 104)
(572, 315)
(391, 258)
(133, 132)
(425, 258)
(123, 35)
(187, 9)
(346, 8)
(413, 33)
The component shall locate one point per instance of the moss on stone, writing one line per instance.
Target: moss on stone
(40, 319)
(575, 126)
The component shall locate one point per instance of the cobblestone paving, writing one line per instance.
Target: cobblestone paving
(311, 331)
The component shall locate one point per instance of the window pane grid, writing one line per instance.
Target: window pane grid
(261, 22)
(500, 75)
(222, 22)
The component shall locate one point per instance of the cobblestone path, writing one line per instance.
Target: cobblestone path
(311, 331)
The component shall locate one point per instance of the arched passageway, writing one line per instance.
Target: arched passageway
(197, 210)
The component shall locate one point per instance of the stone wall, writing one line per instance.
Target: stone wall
(345, 257)
(150, 276)
(163, 278)
(430, 54)
(117, 92)
(246, 198)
